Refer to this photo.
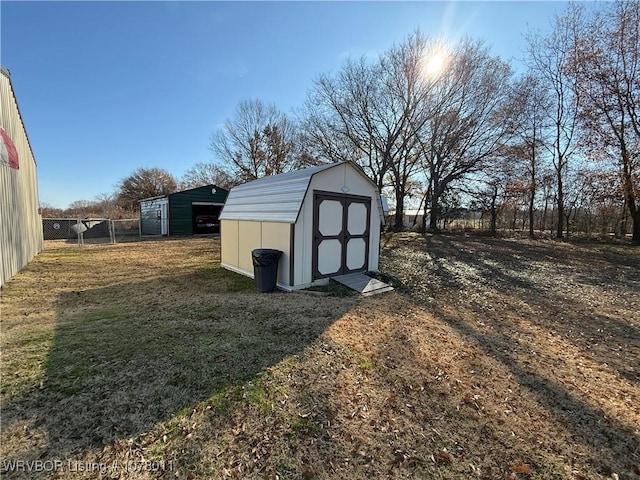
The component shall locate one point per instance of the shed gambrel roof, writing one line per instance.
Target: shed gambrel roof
(277, 198)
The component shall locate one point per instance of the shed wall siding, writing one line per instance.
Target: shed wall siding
(229, 242)
(278, 236)
(249, 238)
(240, 238)
(20, 222)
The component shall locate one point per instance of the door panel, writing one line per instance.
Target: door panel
(329, 257)
(357, 219)
(330, 222)
(356, 254)
(340, 234)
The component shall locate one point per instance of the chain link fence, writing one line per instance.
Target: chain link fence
(127, 230)
(92, 231)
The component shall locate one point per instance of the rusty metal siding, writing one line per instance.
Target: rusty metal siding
(20, 221)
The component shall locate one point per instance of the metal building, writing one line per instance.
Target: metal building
(190, 212)
(20, 220)
(326, 220)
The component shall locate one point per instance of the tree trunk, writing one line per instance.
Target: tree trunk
(531, 212)
(543, 219)
(427, 199)
(635, 236)
(433, 215)
(532, 185)
(494, 213)
(399, 217)
(415, 218)
(560, 200)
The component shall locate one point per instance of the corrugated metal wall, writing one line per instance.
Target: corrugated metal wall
(20, 223)
(181, 207)
(151, 217)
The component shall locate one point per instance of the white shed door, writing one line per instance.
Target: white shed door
(340, 234)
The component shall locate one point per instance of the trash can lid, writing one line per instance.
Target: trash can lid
(265, 251)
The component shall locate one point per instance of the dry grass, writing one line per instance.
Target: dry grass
(501, 359)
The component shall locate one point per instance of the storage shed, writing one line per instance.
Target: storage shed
(326, 220)
(20, 220)
(190, 212)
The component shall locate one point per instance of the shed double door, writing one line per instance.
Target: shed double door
(340, 234)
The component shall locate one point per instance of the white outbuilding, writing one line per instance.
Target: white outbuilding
(326, 220)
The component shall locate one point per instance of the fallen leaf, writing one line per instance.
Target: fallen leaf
(522, 468)
(442, 457)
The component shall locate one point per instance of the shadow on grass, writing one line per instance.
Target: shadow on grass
(128, 356)
(501, 267)
(617, 445)
(466, 275)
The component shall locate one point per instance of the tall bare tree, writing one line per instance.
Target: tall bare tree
(406, 88)
(260, 140)
(371, 112)
(607, 70)
(549, 58)
(530, 127)
(341, 118)
(466, 125)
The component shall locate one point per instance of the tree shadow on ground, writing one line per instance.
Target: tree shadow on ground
(617, 445)
(587, 294)
(499, 294)
(128, 356)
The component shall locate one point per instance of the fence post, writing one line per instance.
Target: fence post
(112, 231)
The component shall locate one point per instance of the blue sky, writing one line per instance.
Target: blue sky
(107, 87)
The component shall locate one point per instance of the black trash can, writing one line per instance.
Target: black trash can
(265, 268)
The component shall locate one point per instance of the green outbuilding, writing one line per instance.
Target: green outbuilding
(190, 212)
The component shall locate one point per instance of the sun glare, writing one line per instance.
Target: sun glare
(435, 61)
(435, 64)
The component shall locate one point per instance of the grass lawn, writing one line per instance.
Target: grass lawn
(495, 359)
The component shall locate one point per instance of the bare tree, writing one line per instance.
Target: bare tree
(49, 211)
(82, 208)
(530, 125)
(341, 118)
(549, 58)
(371, 112)
(607, 71)
(467, 123)
(202, 174)
(144, 183)
(407, 85)
(260, 140)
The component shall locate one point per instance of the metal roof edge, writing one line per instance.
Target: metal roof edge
(157, 197)
(6, 73)
(211, 185)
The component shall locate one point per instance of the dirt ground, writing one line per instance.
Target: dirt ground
(494, 359)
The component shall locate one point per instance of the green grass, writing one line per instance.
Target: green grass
(152, 351)
(133, 336)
